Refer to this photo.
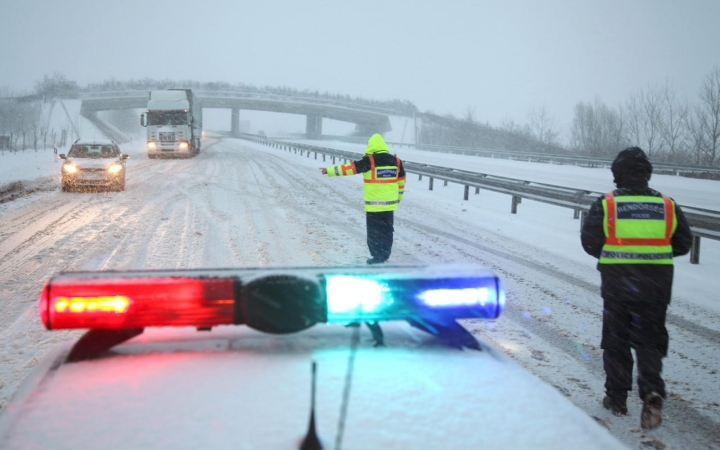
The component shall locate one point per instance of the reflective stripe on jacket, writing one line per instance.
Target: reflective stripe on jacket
(638, 229)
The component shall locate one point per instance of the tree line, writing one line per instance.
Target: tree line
(667, 127)
(670, 129)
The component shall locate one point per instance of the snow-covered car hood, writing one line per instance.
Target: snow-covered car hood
(92, 163)
(237, 388)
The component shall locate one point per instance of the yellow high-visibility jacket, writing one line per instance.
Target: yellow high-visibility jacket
(383, 176)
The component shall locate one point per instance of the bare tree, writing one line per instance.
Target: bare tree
(597, 129)
(708, 117)
(542, 125)
(510, 126)
(470, 116)
(696, 137)
(632, 119)
(673, 123)
(467, 127)
(56, 85)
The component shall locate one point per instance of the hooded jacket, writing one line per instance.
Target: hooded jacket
(383, 176)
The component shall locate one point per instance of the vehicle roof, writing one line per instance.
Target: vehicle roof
(94, 142)
(238, 388)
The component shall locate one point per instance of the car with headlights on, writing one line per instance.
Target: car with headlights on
(93, 164)
(282, 358)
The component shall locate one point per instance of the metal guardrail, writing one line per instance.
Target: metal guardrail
(672, 169)
(703, 222)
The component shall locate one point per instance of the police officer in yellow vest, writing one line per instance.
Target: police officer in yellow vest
(383, 187)
(635, 232)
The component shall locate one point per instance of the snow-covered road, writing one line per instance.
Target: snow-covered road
(243, 204)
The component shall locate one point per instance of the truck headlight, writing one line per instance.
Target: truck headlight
(183, 145)
(69, 168)
(114, 168)
(151, 145)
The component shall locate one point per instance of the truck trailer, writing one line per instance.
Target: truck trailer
(174, 123)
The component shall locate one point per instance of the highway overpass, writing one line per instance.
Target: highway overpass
(367, 119)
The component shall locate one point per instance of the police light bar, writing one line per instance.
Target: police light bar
(273, 300)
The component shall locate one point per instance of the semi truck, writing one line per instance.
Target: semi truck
(174, 123)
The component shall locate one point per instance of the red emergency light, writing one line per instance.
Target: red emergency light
(137, 302)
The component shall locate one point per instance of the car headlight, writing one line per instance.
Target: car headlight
(183, 145)
(151, 145)
(69, 168)
(114, 168)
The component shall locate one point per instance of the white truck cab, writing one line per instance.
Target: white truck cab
(174, 123)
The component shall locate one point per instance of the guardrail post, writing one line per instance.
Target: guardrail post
(308, 154)
(445, 183)
(583, 216)
(695, 250)
(477, 190)
(333, 160)
(419, 177)
(323, 157)
(515, 201)
(430, 186)
(315, 155)
(467, 191)
(576, 213)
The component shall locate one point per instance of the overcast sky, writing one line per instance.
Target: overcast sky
(500, 57)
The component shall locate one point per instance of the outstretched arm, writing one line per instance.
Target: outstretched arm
(344, 170)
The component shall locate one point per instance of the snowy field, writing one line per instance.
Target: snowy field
(243, 204)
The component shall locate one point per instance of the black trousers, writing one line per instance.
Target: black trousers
(380, 234)
(635, 302)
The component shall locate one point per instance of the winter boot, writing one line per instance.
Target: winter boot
(617, 407)
(375, 261)
(651, 416)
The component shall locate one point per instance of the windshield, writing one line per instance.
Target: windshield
(92, 151)
(167, 118)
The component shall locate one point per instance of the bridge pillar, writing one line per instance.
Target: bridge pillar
(313, 126)
(235, 122)
(368, 128)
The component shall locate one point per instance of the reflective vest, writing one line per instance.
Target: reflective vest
(638, 229)
(382, 185)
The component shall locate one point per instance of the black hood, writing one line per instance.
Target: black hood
(631, 168)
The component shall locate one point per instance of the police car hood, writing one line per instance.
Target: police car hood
(235, 388)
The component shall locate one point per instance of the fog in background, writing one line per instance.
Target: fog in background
(501, 59)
